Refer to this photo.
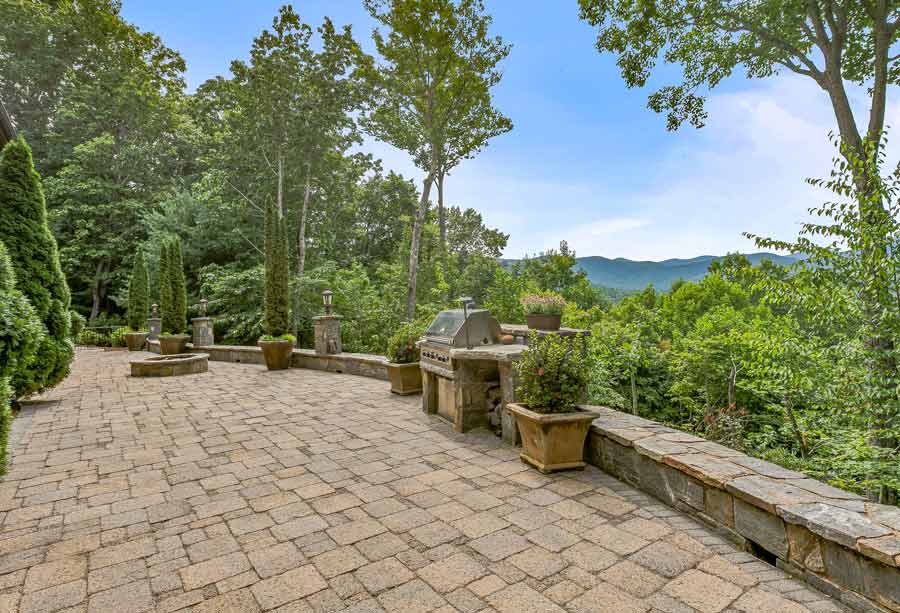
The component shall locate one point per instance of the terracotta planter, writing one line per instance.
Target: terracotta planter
(170, 344)
(405, 378)
(135, 340)
(277, 354)
(555, 441)
(544, 322)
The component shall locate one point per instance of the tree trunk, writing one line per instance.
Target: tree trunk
(280, 186)
(98, 291)
(732, 387)
(634, 395)
(795, 426)
(301, 228)
(414, 245)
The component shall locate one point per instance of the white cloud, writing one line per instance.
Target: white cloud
(743, 172)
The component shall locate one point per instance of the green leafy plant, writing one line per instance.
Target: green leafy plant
(21, 332)
(172, 288)
(401, 346)
(553, 374)
(138, 294)
(277, 297)
(77, 322)
(544, 303)
(35, 263)
(6, 418)
(280, 337)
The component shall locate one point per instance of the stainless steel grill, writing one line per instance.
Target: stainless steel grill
(453, 330)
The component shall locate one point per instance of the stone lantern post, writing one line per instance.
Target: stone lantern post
(327, 328)
(154, 324)
(203, 327)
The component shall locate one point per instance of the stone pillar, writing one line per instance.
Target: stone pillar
(328, 334)
(203, 332)
(154, 325)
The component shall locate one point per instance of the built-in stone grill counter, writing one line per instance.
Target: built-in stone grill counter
(468, 374)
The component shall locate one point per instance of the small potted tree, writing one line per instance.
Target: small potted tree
(173, 299)
(403, 353)
(553, 376)
(277, 345)
(543, 311)
(138, 304)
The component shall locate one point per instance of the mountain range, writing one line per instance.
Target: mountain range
(621, 273)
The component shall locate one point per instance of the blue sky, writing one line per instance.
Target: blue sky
(587, 162)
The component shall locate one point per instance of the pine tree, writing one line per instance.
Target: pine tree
(138, 294)
(277, 315)
(21, 332)
(179, 287)
(165, 290)
(35, 260)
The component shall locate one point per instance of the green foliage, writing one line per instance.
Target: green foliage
(103, 336)
(401, 347)
(21, 332)
(178, 321)
(138, 294)
(544, 303)
(277, 301)
(77, 323)
(553, 374)
(166, 291)
(6, 418)
(32, 250)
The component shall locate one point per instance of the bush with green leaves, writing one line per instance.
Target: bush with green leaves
(172, 288)
(277, 297)
(6, 418)
(544, 303)
(553, 373)
(21, 332)
(138, 294)
(401, 347)
(35, 262)
(77, 322)
(166, 305)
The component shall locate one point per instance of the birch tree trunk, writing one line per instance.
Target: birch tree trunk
(99, 289)
(414, 245)
(442, 212)
(301, 227)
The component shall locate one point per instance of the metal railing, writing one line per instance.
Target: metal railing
(101, 336)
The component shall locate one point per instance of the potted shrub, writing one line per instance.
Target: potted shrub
(552, 378)
(138, 304)
(403, 356)
(172, 299)
(276, 344)
(543, 311)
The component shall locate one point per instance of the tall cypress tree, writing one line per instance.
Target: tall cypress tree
(165, 290)
(138, 294)
(179, 287)
(277, 303)
(35, 259)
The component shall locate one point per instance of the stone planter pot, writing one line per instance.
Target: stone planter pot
(544, 322)
(555, 441)
(135, 340)
(171, 344)
(405, 379)
(277, 354)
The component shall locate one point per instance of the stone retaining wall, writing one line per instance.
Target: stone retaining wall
(838, 541)
(362, 364)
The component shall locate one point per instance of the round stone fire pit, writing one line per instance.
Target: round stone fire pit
(170, 365)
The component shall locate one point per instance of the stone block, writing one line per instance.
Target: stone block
(833, 523)
(761, 527)
(804, 548)
(845, 567)
(719, 505)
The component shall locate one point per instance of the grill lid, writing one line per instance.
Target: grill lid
(449, 327)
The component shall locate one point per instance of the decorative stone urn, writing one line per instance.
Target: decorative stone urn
(552, 441)
(544, 322)
(277, 354)
(171, 344)
(135, 340)
(405, 379)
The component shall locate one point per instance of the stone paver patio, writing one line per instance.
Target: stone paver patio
(296, 491)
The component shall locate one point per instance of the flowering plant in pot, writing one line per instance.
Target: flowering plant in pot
(403, 356)
(172, 299)
(276, 344)
(543, 311)
(552, 379)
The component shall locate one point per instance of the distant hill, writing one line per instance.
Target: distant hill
(624, 274)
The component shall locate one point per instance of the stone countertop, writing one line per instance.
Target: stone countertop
(498, 352)
(871, 529)
(523, 330)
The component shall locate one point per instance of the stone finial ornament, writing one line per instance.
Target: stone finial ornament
(204, 303)
(154, 311)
